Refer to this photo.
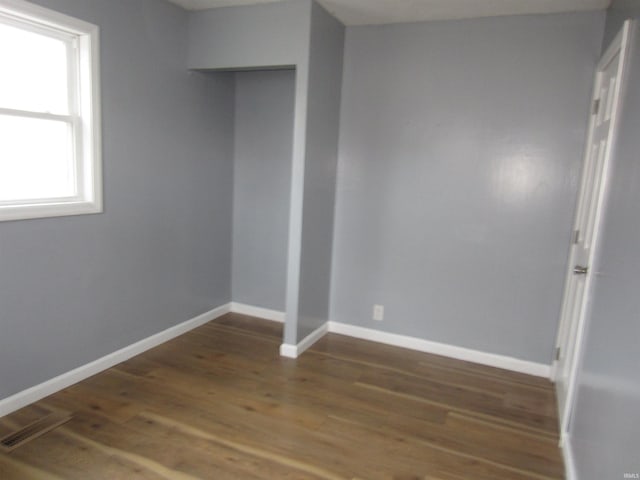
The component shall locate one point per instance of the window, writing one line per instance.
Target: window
(50, 153)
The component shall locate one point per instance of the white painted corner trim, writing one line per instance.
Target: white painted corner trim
(294, 351)
(567, 455)
(264, 313)
(38, 392)
(451, 351)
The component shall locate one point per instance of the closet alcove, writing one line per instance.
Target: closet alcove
(263, 141)
(260, 107)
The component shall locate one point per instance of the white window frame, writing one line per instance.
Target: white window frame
(84, 115)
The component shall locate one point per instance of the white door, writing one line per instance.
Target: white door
(602, 127)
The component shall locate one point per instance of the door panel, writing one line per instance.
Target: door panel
(602, 126)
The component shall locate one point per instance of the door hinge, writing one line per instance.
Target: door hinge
(596, 106)
(575, 238)
(557, 353)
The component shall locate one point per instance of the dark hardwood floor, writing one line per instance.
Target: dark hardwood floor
(220, 403)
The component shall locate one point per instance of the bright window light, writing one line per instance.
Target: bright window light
(35, 169)
(35, 72)
(50, 161)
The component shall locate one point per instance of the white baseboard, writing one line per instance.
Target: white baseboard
(460, 353)
(38, 392)
(288, 350)
(567, 455)
(294, 351)
(264, 313)
(412, 343)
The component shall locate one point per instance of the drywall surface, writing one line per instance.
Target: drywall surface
(262, 182)
(606, 420)
(460, 150)
(619, 11)
(323, 120)
(73, 289)
(250, 36)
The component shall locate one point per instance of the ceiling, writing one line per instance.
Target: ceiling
(373, 12)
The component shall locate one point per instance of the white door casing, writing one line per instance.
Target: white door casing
(603, 125)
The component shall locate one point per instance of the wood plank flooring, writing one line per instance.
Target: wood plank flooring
(219, 403)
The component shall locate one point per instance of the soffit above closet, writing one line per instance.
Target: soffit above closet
(375, 12)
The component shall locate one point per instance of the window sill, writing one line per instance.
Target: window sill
(45, 210)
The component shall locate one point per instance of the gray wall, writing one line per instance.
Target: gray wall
(323, 126)
(250, 36)
(606, 420)
(262, 182)
(619, 11)
(73, 289)
(461, 144)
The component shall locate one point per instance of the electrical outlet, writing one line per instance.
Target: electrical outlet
(378, 313)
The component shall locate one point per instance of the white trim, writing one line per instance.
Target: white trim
(427, 346)
(289, 351)
(570, 471)
(48, 210)
(52, 18)
(68, 119)
(418, 344)
(294, 351)
(37, 392)
(263, 313)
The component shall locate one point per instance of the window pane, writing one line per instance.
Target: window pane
(33, 71)
(36, 159)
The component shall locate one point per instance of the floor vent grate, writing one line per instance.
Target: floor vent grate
(33, 430)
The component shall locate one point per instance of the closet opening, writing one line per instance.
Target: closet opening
(262, 160)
